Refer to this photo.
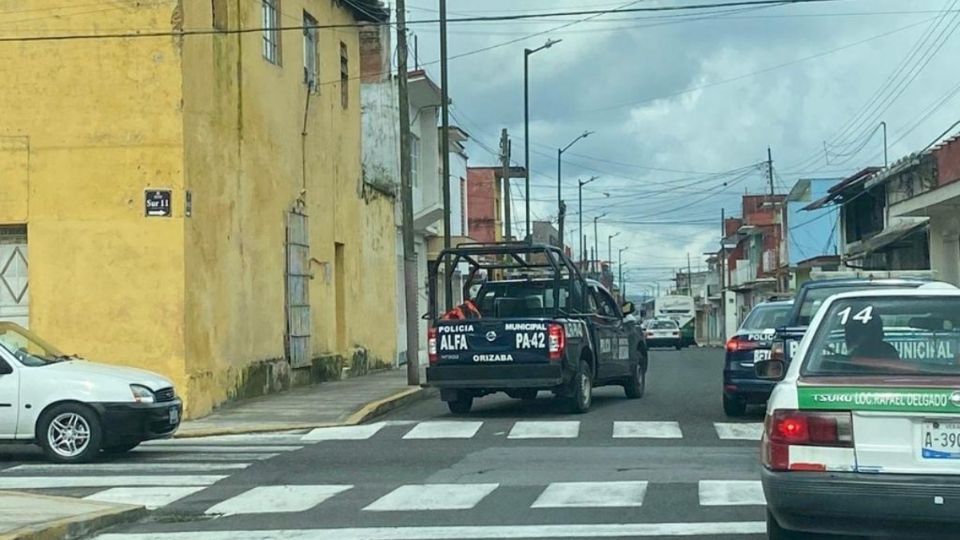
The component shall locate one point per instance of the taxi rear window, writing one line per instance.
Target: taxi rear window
(902, 336)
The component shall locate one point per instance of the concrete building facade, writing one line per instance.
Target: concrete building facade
(194, 205)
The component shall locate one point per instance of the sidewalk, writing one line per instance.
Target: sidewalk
(25, 516)
(338, 403)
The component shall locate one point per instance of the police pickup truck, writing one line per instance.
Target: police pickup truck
(537, 325)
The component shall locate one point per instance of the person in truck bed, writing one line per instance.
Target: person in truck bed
(465, 311)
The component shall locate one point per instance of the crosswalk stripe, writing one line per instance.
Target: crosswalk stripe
(199, 456)
(343, 433)
(741, 432)
(731, 493)
(213, 449)
(647, 430)
(277, 499)
(444, 430)
(149, 497)
(125, 466)
(432, 497)
(592, 494)
(256, 439)
(47, 482)
(545, 430)
(495, 532)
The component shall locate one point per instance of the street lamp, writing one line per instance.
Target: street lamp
(609, 250)
(526, 119)
(560, 152)
(580, 184)
(596, 238)
(620, 267)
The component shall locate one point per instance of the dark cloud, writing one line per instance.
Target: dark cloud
(685, 118)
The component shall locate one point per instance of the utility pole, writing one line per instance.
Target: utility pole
(885, 163)
(770, 169)
(689, 276)
(526, 137)
(445, 150)
(723, 276)
(505, 178)
(406, 202)
(584, 256)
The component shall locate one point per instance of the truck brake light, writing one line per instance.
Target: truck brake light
(786, 428)
(432, 345)
(557, 337)
(736, 344)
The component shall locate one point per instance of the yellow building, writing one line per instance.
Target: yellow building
(191, 201)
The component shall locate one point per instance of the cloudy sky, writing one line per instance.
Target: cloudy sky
(685, 104)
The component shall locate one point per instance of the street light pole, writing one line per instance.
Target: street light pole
(526, 121)
(609, 246)
(620, 267)
(580, 184)
(596, 238)
(560, 207)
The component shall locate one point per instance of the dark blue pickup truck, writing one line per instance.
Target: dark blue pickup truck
(539, 326)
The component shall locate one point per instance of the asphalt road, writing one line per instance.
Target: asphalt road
(665, 466)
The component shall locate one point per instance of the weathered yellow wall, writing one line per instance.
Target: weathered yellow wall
(199, 298)
(246, 164)
(102, 122)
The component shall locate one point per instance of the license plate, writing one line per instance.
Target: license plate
(761, 355)
(174, 415)
(940, 440)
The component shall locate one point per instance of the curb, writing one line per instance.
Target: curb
(383, 406)
(77, 526)
(367, 412)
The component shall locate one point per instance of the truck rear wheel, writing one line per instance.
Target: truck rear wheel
(637, 383)
(582, 390)
(462, 404)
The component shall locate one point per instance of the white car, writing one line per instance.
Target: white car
(862, 435)
(663, 333)
(74, 409)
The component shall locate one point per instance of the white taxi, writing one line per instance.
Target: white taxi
(862, 435)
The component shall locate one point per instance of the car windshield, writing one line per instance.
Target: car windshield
(767, 317)
(903, 336)
(26, 347)
(663, 325)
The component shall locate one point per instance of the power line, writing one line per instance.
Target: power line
(843, 133)
(758, 72)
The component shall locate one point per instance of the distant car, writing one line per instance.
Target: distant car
(752, 342)
(862, 435)
(663, 333)
(74, 409)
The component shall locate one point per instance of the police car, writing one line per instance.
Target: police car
(862, 435)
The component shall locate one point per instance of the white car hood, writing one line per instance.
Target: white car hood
(82, 369)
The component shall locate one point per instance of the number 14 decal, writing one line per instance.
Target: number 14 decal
(864, 316)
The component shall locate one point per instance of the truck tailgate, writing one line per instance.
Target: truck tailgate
(479, 342)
